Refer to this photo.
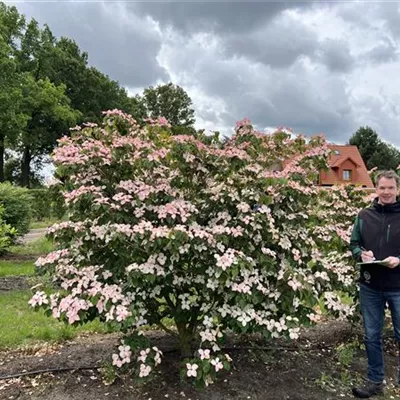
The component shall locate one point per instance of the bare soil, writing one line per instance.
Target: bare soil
(262, 370)
(9, 283)
(19, 257)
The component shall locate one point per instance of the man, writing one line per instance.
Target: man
(376, 236)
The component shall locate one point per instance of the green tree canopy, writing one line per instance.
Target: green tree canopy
(35, 64)
(49, 114)
(11, 119)
(172, 102)
(374, 151)
(46, 85)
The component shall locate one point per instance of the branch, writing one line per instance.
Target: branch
(44, 371)
(169, 302)
(282, 348)
(168, 330)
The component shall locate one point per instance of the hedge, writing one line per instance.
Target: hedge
(17, 207)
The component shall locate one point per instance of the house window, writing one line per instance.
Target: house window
(346, 174)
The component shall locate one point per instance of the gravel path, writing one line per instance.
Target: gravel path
(34, 234)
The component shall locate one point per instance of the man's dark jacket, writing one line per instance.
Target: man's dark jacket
(377, 228)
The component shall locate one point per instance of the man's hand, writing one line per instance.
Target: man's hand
(391, 262)
(367, 256)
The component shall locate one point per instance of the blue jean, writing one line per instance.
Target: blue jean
(373, 304)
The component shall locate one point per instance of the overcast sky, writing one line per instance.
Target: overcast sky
(311, 66)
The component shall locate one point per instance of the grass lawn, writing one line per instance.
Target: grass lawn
(44, 223)
(39, 247)
(22, 326)
(16, 268)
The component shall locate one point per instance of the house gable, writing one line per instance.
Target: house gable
(344, 160)
(345, 166)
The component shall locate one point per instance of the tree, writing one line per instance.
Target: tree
(375, 152)
(62, 62)
(101, 93)
(70, 69)
(198, 231)
(12, 173)
(11, 119)
(11, 23)
(171, 102)
(28, 51)
(44, 104)
(49, 114)
(385, 157)
(137, 109)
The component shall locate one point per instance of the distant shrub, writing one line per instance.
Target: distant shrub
(6, 233)
(47, 203)
(41, 204)
(16, 202)
(58, 209)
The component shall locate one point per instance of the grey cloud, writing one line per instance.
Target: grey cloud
(210, 115)
(381, 113)
(221, 16)
(390, 13)
(379, 19)
(302, 105)
(350, 12)
(119, 44)
(386, 51)
(303, 99)
(335, 54)
(276, 44)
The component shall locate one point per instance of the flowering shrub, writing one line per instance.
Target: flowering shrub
(211, 234)
(7, 233)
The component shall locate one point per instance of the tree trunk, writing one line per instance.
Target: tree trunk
(2, 158)
(185, 340)
(26, 167)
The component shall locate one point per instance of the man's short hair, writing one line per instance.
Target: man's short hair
(390, 174)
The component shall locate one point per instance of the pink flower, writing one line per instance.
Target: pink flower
(157, 357)
(227, 259)
(295, 285)
(217, 364)
(162, 121)
(125, 352)
(204, 354)
(192, 369)
(117, 361)
(144, 370)
(122, 313)
(143, 355)
(38, 299)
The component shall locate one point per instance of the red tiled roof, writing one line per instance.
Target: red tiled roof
(346, 152)
(340, 160)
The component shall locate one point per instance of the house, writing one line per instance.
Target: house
(346, 166)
